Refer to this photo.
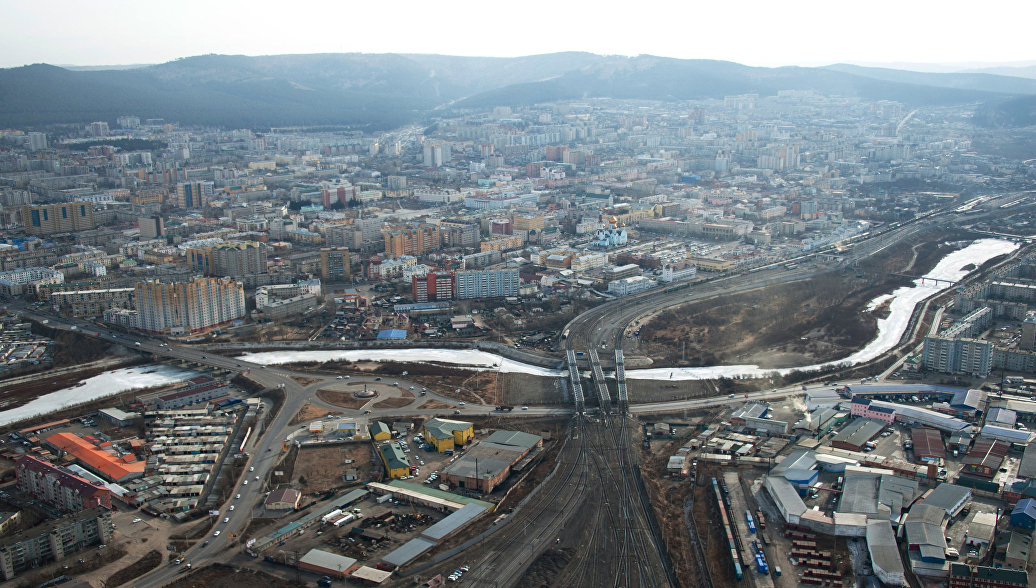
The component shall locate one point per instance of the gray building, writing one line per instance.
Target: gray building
(487, 284)
(53, 541)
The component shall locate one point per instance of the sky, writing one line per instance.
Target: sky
(753, 32)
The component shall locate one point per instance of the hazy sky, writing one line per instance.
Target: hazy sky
(795, 32)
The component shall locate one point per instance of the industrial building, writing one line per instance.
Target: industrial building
(985, 457)
(325, 562)
(446, 434)
(283, 499)
(487, 464)
(111, 467)
(857, 434)
(196, 390)
(968, 576)
(395, 461)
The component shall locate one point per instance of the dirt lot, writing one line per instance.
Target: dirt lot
(805, 322)
(339, 398)
(309, 412)
(227, 577)
(319, 469)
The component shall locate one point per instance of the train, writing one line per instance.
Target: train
(677, 287)
(728, 527)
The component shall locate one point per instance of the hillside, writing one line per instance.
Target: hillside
(385, 90)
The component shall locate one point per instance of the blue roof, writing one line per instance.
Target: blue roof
(392, 334)
(1025, 506)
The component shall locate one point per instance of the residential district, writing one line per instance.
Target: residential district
(136, 248)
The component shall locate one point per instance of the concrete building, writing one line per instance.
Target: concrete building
(49, 219)
(196, 390)
(280, 309)
(434, 287)
(53, 541)
(234, 259)
(111, 467)
(324, 562)
(22, 281)
(195, 194)
(957, 355)
(59, 487)
(487, 284)
(188, 307)
(866, 408)
(487, 464)
(335, 264)
(151, 227)
(92, 303)
(630, 286)
(412, 240)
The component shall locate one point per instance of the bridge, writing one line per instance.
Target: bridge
(604, 398)
(936, 281)
(620, 377)
(577, 386)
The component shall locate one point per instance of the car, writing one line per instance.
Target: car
(730, 396)
(231, 508)
(378, 379)
(226, 519)
(411, 387)
(462, 403)
(245, 483)
(395, 383)
(137, 520)
(237, 496)
(525, 408)
(216, 534)
(257, 477)
(251, 469)
(205, 543)
(339, 377)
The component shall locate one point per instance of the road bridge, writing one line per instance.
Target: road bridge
(925, 279)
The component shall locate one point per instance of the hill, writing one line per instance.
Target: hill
(386, 90)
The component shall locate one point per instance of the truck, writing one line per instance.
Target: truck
(331, 515)
(384, 498)
(345, 519)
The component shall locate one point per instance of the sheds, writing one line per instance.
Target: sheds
(985, 457)
(408, 552)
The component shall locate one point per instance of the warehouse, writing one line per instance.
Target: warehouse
(857, 434)
(985, 457)
(915, 415)
(1007, 435)
(324, 562)
(881, 544)
(487, 464)
(456, 521)
(446, 434)
(928, 444)
(395, 461)
(949, 497)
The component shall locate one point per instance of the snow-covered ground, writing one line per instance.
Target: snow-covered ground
(99, 386)
(465, 358)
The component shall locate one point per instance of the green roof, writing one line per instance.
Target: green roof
(394, 456)
(379, 427)
(440, 493)
(514, 439)
(444, 428)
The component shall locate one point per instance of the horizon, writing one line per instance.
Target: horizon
(763, 35)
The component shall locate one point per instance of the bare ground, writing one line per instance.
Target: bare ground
(227, 577)
(339, 398)
(319, 469)
(309, 412)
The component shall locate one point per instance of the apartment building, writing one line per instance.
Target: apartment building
(90, 303)
(67, 217)
(194, 194)
(19, 281)
(335, 264)
(235, 259)
(412, 240)
(53, 541)
(487, 284)
(434, 286)
(59, 487)
(188, 307)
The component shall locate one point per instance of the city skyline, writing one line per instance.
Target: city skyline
(760, 34)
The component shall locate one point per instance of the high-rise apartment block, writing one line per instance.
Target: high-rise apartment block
(188, 307)
(53, 541)
(334, 264)
(436, 154)
(412, 240)
(194, 194)
(487, 284)
(37, 141)
(229, 259)
(151, 227)
(434, 287)
(67, 217)
(98, 129)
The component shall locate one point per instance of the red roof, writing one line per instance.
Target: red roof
(111, 466)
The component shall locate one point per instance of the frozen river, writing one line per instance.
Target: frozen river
(890, 330)
(99, 386)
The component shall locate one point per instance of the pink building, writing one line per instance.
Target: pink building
(861, 407)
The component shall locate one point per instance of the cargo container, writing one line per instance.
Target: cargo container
(385, 498)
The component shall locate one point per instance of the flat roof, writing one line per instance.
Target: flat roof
(453, 522)
(859, 432)
(884, 552)
(419, 490)
(515, 438)
(408, 552)
(327, 560)
(947, 496)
